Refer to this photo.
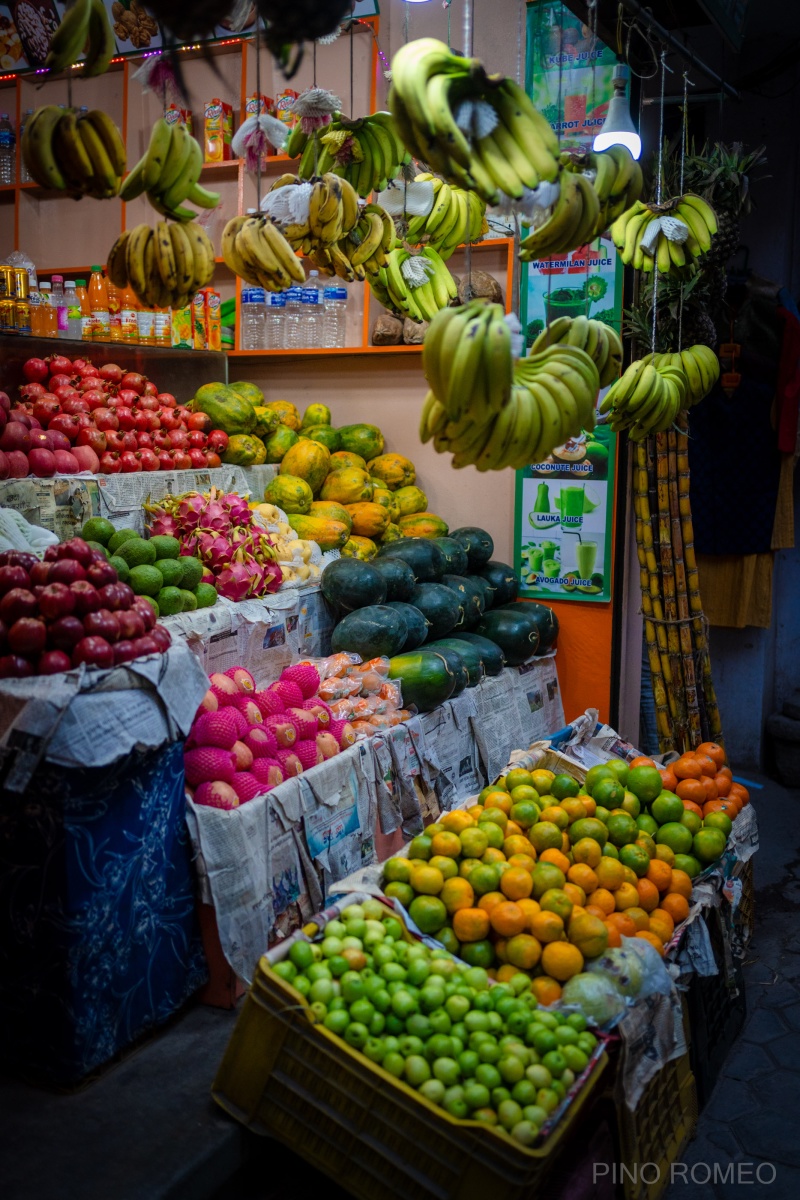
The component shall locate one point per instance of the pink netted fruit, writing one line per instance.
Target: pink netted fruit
(290, 763)
(216, 795)
(243, 755)
(207, 764)
(224, 689)
(289, 693)
(304, 722)
(249, 709)
(320, 710)
(304, 676)
(242, 723)
(309, 754)
(246, 786)
(209, 703)
(343, 732)
(242, 678)
(261, 741)
(269, 702)
(268, 771)
(284, 731)
(216, 728)
(327, 744)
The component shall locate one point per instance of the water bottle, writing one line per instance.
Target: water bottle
(59, 302)
(74, 324)
(311, 319)
(254, 320)
(293, 319)
(8, 153)
(24, 174)
(275, 317)
(334, 317)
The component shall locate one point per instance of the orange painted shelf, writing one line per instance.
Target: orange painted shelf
(323, 353)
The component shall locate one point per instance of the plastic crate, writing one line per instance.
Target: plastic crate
(284, 1077)
(717, 1007)
(655, 1134)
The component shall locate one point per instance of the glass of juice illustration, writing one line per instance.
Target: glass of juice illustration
(571, 504)
(585, 557)
(551, 568)
(535, 558)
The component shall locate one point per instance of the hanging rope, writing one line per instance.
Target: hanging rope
(352, 106)
(592, 44)
(258, 110)
(684, 148)
(516, 273)
(658, 194)
(467, 50)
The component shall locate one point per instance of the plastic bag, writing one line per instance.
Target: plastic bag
(335, 664)
(614, 981)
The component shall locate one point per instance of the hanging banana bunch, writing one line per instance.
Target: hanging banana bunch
(414, 285)
(84, 26)
(367, 152)
(82, 156)
(648, 397)
(598, 340)
(169, 172)
(165, 266)
(672, 236)
(256, 250)
(363, 251)
(457, 217)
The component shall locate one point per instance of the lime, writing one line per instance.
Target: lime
(171, 572)
(622, 829)
(192, 571)
(610, 850)
(301, 954)
(718, 820)
(206, 595)
(516, 777)
(688, 863)
(675, 835)
(667, 807)
(420, 847)
(608, 792)
(631, 804)
(546, 876)
(708, 844)
(595, 774)
(478, 954)
(644, 782)
(137, 552)
(431, 1089)
(417, 1070)
(122, 535)
(564, 786)
(620, 769)
(691, 820)
(98, 529)
(146, 581)
(188, 600)
(170, 600)
(476, 1095)
(285, 970)
(636, 858)
(165, 546)
(588, 827)
(100, 548)
(646, 823)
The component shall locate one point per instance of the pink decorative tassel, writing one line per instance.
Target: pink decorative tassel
(157, 75)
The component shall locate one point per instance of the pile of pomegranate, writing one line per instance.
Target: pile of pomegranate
(73, 416)
(70, 608)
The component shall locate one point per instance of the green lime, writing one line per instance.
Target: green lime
(595, 774)
(171, 572)
(564, 786)
(301, 954)
(646, 823)
(608, 792)
(192, 571)
(165, 546)
(121, 567)
(169, 600)
(667, 807)
(137, 552)
(708, 844)
(206, 595)
(692, 822)
(620, 769)
(688, 863)
(675, 835)
(622, 829)
(645, 782)
(98, 529)
(188, 600)
(99, 547)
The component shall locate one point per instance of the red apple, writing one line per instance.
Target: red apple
(102, 623)
(53, 663)
(94, 651)
(56, 600)
(100, 573)
(145, 611)
(12, 666)
(125, 651)
(18, 602)
(42, 462)
(78, 549)
(64, 633)
(131, 624)
(14, 577)
(67, 570)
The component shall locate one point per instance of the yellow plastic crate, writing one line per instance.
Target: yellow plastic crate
(656, 1133)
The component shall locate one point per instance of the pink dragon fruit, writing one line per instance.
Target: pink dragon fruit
(190, 511)
(164, 526)
(237, 507)
(234, 582)
(214, 550)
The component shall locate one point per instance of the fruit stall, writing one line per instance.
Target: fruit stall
(287, 658)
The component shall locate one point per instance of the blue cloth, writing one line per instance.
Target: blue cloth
(99, 939)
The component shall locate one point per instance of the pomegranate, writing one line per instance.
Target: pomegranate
(218, 440)
(153, 422)
(95, 400)
(5, 402)
(94, 437)
(115, 441)
(161, 439)
(181, 460)
(212, 459)
(87, 459)
(133, 381)
(130, 440)
(66, 463)
(128, 397)
(63, 423)
(149, 459)
(74, 406)
(128, 463)
(35, 370)
(165, 461)
(197, 439)
(45, 409)
(148, 403)
(59, 441)
(94, 651)
(125, 417)
(166, 400)
(197, 458)
(200, 422)
(169, 419)
(17, 464)
(58, 380)
(111, 373)
(53, 663)
(87, 371)
(59, 364)
(105, 418)
(42, 462)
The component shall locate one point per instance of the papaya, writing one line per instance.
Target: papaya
(410, 500)
(245, 450)
(393, 533)
(423, 525)
(248, 391)
(329, 535)
(382, 496)
(362, 548)
(395, 470)
(290, 493)
(307, 460)
(316, 414)
(331, 511)
(286, 413)
(266, 422)
(366, 440)
(326, 435)
(228, 410)
(341, 459)
(279, 442)
(346, 487)
(369, 520)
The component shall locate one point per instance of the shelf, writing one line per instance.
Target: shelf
(324, 353)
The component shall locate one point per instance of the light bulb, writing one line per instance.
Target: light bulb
(618, 127)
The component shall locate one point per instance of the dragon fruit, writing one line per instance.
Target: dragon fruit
(237, 507)
(164, 526)
(190, 511)
(234, 582)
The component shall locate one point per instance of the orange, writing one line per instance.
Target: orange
(724, 784)
(428, 913)
(508, 919)
(456, 821)
(661, 929)
(660, 874)
(648, 894)
(707, 764)
(530, 908)
(516, 883)
(576, 894)
(426, 880)
(500, 950)
(669, 780)
(485, 878)
(587, 850)
(677, 906)
(556, 900)
(546, 990)
(610, 873)
(681, 883)
(474, 842)
(525, 861)
(589, 934)
(490, 901)
(457, 893)
(665, 854)
(497, 799)
(589, 804)
(584, 876)
(709, 788)
(687, 767)
(474, 812)
(614, 936)
(594, 910)
(714, 751)
(641, 761)
(690, 806)
(514, 830)
(547, 926)
(574, 808)
(691, 789)
(603, 899)
(448, 866)
(470, 924)
(447, 844)
(494, 816)
(554, 815)
(493, 856)
(639, 917)
(556, 858)
(625, 924)
(661, 914)
(467, 866)
(626, 896)
(505, 973)
(525, 813)
(523, 951)
(562, 960)
(629, 874)
(742, 792)
(517, 843)
(652, 938)
(566, 845)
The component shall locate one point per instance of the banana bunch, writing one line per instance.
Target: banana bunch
(571, 222)
(467, 361)
(332, 212)
(457, 217)
(363, 251)
(671, 236)
(600, 341)
(615, 176)
(83, 156)
(168, 172)
(479, 132)
(699, 364)
(84, 26)
(256, 250)
(421, 302)
(165, 266)
(366, 152)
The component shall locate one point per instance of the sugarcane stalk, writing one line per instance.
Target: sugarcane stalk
(684, 629)
(668, 588)
(651, 603)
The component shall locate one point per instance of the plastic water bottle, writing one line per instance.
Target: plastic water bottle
(254, 319)
(59, 302)
(312, 311)
(8, 153)
(275, 313)
(334, 317)
(293, 320)
(74, 324)
(24, 173)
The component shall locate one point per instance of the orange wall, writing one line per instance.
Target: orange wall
(584, 657)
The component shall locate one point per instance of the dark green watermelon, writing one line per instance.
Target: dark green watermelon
(439, 605)
(486, 587)
(372, 632)
(426, 679)
(469, 655)
(416, 624)
(398, 576)
(477, 543)
(349, 584)
(516, 636)
(458, 668)
(471, 598)
(504, 580)
(422, 555)
(491, 655)
(543, 617)
(455, 555)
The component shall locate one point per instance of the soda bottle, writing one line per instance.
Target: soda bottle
(98, 306)
(59, 302)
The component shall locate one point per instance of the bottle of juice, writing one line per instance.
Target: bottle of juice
(98, 305)
(163, 327)
(114, 312)
(86, 312)
(146, 322)
(49, 316)
(129, 325)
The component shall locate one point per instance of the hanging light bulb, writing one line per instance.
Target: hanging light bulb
(417, 1)
(618, 128)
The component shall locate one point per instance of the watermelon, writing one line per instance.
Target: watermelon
(373, 632)
(485, 587)
(514, 634)
(456, 664)
(492, 656)
(398, 576)
(503, 579)
(455, 555)
(426, 679)
(543, 617)
(471, 597)
(440, 606)
(477, 543)
(469, 655)
(416, 624)
(348, 584)
(422, 555)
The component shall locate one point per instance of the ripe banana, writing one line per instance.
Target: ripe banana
(83, 156)
(255, 249)
(164, 266)
(85, 21)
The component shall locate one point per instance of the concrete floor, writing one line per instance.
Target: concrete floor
(148, 1130)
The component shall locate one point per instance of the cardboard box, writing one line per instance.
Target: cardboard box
(199, 321)
(182, 337)
(213, 319)
(217, 130)
(174, 115)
